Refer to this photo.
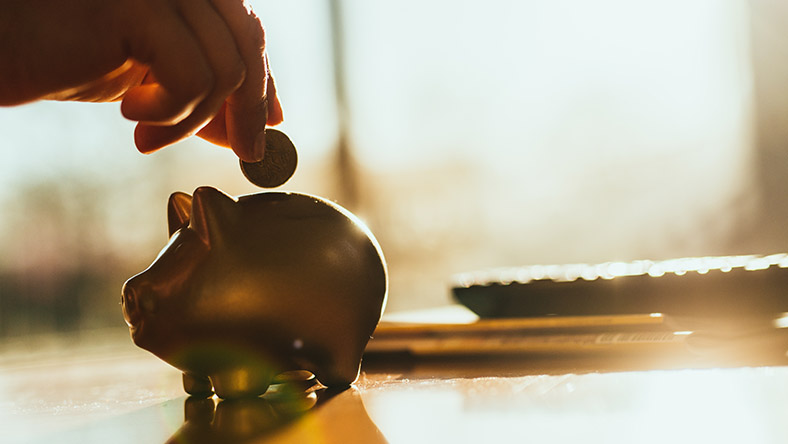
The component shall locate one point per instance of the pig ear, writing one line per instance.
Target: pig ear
(212, 212)
(178, 209)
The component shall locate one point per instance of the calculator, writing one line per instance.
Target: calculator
(718, 287)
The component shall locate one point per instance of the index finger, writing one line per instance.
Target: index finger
(216, 130)
(246, 108)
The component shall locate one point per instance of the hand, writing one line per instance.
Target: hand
(180, 67)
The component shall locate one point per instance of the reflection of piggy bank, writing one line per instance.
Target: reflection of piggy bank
(251, 287)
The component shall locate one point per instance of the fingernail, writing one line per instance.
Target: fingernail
(259, 146)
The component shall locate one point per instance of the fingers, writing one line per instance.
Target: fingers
(176, 59)
(247, 108)
(110, 87)
(216, 130)
(211, 75)
(275, 114)
(226, 66)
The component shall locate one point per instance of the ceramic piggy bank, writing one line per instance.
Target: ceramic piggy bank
(251, 287)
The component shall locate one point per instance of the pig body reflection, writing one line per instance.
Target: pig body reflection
(252, 287)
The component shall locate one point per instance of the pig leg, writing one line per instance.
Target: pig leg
(339, 372)
(241, 382)
(197, 385)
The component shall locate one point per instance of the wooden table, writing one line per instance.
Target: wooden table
(98, 388)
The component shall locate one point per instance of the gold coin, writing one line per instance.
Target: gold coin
(279, 161)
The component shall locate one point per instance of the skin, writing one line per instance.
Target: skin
(179, 67)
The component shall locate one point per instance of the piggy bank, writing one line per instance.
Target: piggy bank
(252, 287)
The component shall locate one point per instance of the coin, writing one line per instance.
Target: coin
(279, 161)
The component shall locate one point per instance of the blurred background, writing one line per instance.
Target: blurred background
(468, 135)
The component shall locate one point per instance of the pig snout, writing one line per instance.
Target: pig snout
(137, 300)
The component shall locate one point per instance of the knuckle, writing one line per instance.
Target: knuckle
(200, 83)
(234, 74)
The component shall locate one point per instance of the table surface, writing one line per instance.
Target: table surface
(98, 387)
